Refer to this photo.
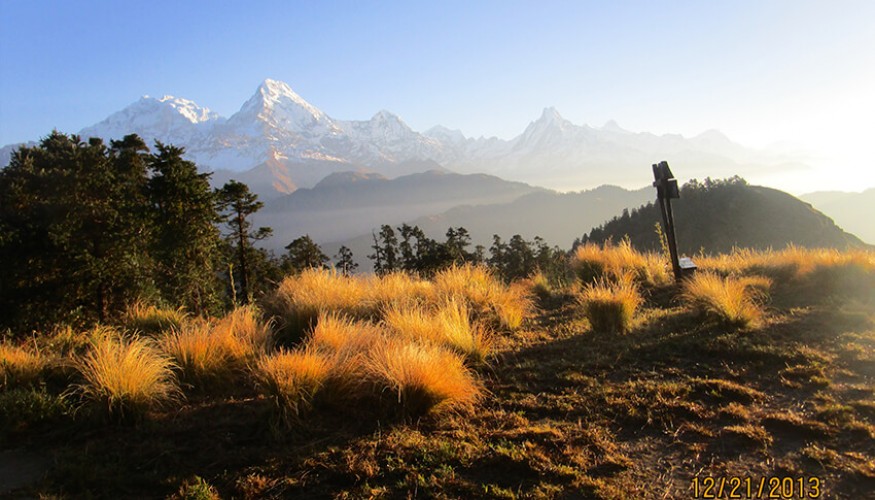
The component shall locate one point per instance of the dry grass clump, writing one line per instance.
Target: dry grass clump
(199, 352)
(20, 367)
(827, 268)
(294, 379)
(126, 376)
(610, 306)
(425, 378)
(485, 294)
(475, 284)
(300, 299)
(150, 319)
(592, 262)
(398, 289)
(210, 352)
(449, 326)
(728, 300)
(244, 334)
(335, 333)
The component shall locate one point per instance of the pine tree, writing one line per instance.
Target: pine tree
(73, 230)
(236, 204)
(186, 239)
(304, 253)
(385, 254)
(344, 261)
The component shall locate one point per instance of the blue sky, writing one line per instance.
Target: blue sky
(760, 71)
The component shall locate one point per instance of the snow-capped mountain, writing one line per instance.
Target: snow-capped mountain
(281, 142)
(168, 119)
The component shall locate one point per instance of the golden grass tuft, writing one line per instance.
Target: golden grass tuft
(335, 333)
(126, 376)
(592, 262)
(475, 284)
(610, 306)
(300, 299)
(449, 326)
(484, 293)
(20, 367)
(726, 299)
(425, 378)
(210, 352)
(293, 379)
(151, 320)
(398, 289)
(243, 333)
(511, 305)
(199, 352)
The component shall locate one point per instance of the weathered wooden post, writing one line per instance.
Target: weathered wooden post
(666, 189)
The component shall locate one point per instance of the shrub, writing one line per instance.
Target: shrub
(424, 378)
(126, 376)
(726, 299)
(21, 408)
(610, 306)
(151, 320)
(20, 367)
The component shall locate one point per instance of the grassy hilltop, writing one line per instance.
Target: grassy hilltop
(613, 384)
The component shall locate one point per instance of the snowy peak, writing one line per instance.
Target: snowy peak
(168, 118)
(613, 126)
(276, 105)
(188, 109)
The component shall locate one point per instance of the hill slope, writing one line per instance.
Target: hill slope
(345, 204)
(852, 211)
(717, 216)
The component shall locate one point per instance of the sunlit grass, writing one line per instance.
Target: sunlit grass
(126, 376)
(610, 306)
(20, 366)
(484, 293)
(398, 289)
(150, 319)
(243, 333)
(300, 299)
(293, 380)
(729, 300)
(339, 334)
(199, 352)
(592, 262)
(422, 378)
(449, 326)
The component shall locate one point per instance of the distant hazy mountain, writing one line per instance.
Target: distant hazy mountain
(558, 218)
(852, 211)
(283, 142)
(347, 204)
(727, 215)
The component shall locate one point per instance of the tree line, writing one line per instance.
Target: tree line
(87, 228)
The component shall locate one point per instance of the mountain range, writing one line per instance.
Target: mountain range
(278, 142)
